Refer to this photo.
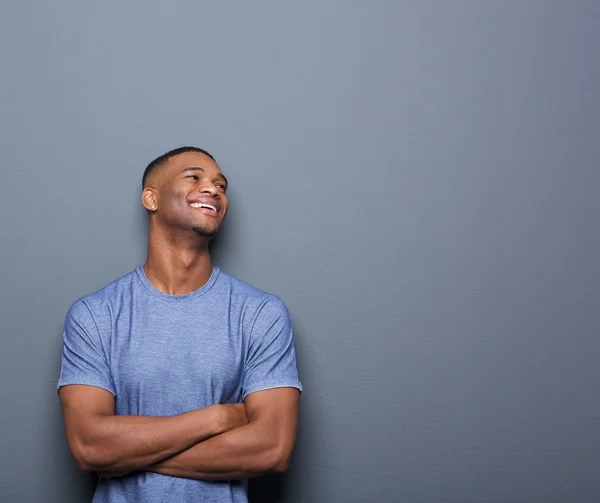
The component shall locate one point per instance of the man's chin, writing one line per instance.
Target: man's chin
(204, 232)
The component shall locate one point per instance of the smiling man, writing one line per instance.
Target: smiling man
(178, 381)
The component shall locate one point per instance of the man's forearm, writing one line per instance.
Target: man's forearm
(122, 443)
(244, 452)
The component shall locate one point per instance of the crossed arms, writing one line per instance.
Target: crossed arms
(224, 441)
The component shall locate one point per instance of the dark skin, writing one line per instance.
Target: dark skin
(178, 259)
(223, 441)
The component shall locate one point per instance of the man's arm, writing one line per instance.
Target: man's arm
(264, 445)
(102, 441)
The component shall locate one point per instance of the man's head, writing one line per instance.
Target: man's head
(184, 189)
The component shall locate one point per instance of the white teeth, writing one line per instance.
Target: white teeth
(203, 205)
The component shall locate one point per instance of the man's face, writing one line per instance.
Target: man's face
(191, 193)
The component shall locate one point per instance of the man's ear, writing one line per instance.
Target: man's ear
(150, 199)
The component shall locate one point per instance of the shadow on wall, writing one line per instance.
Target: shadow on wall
(267, 489)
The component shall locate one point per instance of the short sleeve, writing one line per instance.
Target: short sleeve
(271, 358)
(83, 359)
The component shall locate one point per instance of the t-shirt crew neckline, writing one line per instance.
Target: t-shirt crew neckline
(177, 298)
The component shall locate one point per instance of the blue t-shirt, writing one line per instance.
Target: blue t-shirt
(162, 355)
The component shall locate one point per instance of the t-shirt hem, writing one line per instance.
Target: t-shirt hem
(264, 387)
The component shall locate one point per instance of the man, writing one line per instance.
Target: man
(178, 382)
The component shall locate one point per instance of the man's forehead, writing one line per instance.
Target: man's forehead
(188, 160)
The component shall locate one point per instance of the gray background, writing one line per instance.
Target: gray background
(419, 181)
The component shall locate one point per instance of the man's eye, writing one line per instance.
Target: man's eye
(194, 177)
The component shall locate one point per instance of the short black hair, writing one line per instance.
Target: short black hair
(162, 160)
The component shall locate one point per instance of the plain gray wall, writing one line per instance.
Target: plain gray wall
(419, 181)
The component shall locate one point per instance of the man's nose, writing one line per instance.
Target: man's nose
(208, 188)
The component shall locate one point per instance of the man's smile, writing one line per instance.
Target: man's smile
(213, 209)
(208, 206)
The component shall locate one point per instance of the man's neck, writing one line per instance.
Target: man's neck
(176, 266)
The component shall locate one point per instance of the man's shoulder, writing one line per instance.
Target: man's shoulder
(105, 296)
(244, 292)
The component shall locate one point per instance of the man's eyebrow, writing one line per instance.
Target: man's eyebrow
(192, 168)
(198, 168)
